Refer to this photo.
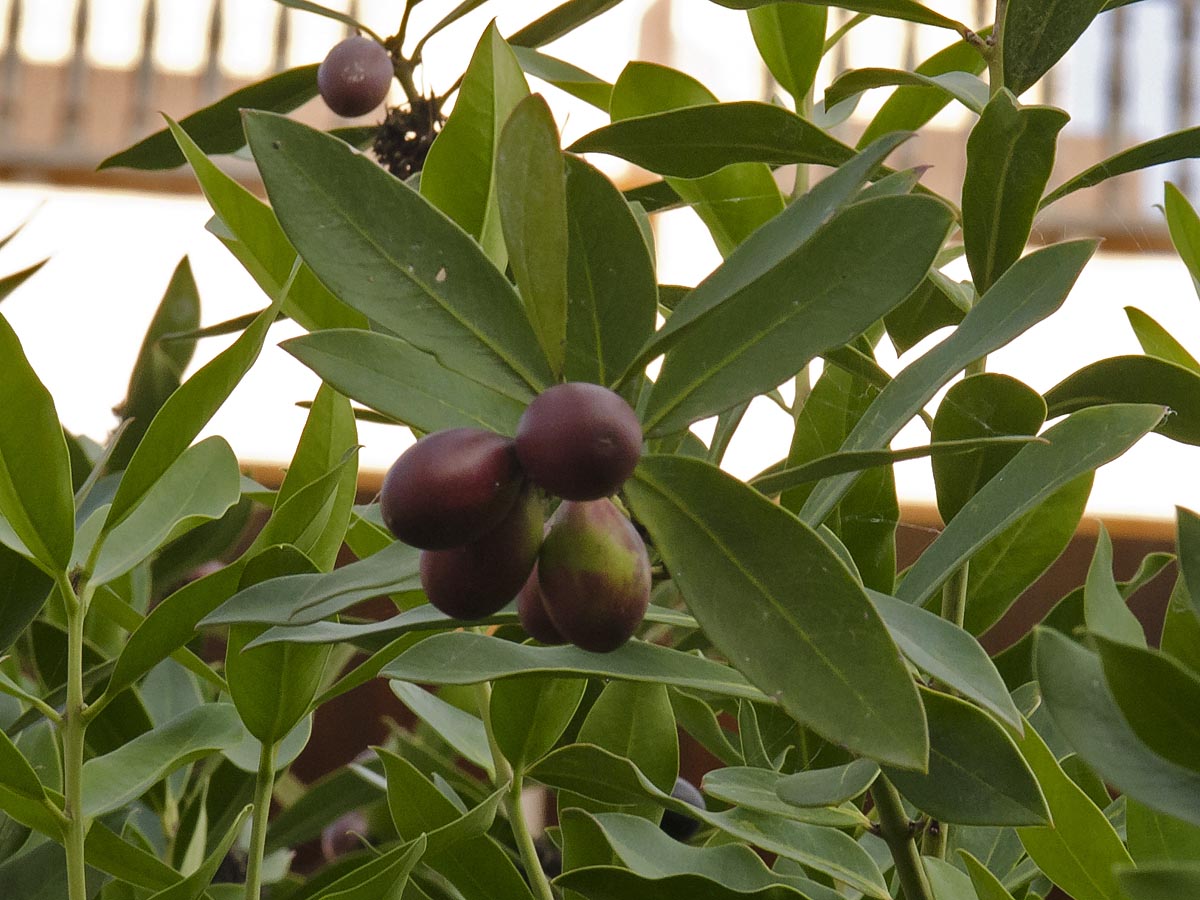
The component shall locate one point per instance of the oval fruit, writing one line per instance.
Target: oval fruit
(450, 488)
(531, 610)
(676, 824)
(355, 76)
(579, 441)
(594, 575)
(476, 580)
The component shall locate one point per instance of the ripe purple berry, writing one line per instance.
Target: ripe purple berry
(355, 76)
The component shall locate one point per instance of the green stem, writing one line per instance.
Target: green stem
(73, 729)
(897, 831)
(996, 57)
(933, 840)
(954, 596)
(264, 786)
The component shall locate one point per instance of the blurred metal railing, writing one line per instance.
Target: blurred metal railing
(1128, 80)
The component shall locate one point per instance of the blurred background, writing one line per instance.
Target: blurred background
(80, 79)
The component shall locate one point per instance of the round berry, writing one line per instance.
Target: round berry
(355, 77)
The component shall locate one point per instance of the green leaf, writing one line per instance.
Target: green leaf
(24, 589)
(610, 276)
(976, 774)
(1013, 560)
(467, 658)
(1160, 882)
(1158, 697)
(1188, 540)
(947, 653)
(1181, 628)
(200, 485)
(910, 107)
(826, 787)
(907, 10)
(862, 263)
(328, 13)
(383, 878)
(10, 283)
(635, 721)
(1104, 609)
(218, 128)
(119, 777)
(460, 173)
(1080, 443)
(790, 38)
(1000, 199)
(1028, 292)
(532, 199)
(186, 411)
(987, 886)
(1157, 341)
(694, 141)
(404, 382)
(616, 883)
(461, 730)
(1168, 148)
(935, 304)
(384, 250)
(561, 20)
(758, 789)
(720, 539)
(194, 885)
(19, 776)
(249, 230)
(36, 497)
(733, 202)
(1079, 851)
(1155, 837)
(964, 87)
(313, 520)
(980, 406)
(1184, 227)
(529, 715)
(565, 76)
(1135, 379)
(1038, 33)
(947, 882)
(1083, 709)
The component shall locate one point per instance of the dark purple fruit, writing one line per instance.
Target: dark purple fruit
(450, 488)
(594, 575)
(676, 824)
(476, 580)
(579, 441)
(531, 610)
(355, 76)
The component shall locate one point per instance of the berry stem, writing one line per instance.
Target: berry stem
(74, 726)
(264, 786)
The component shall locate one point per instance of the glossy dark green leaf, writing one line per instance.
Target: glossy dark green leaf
(699, 719)
(1078, 853)
(1181, 628)
(947, 653)
(1188, 541)
(1157, 696)
(1168, 148)
(111, 781)
(36, 497)
(249, 230)
(733, 202)
(826, 787)
(1082, 707)
(531, 197)
(976, 774)
(1157, 341)
(979, 406)
(529, 715)
(612, 288)
(463, 731)
(930, 307)
(384, 878)
(384, 250)
(1104, 609)
(1038, 33)
(24, 589)
(565, 76)
(964, 87)
(561, 20)
(1031, 290)
(1080, 443)
(999, 199)
(634, 721)
(459, 175)
(199, 486)
(907, 10)
(694, 141)
(195, 884)
(218, 128)
(1135, 379)
(987, 885)
(468, 658)
(790, 38)
(1184, 227)
(1160, 882)
(762, 335)
(720, 538)
(326, 12)
(758, 789)
(1013, 560)
(911, 107)
(160, 364)
(20, 779)
(1156, 837)
(313, 520)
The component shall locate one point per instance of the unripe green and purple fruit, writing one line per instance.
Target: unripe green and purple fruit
(594, 575)
(531, 611)
(450, 488)
(579, 441)
(478, 579)
(676, 824)
(355, 76)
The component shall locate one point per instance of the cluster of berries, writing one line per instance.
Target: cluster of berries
(471, 500)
